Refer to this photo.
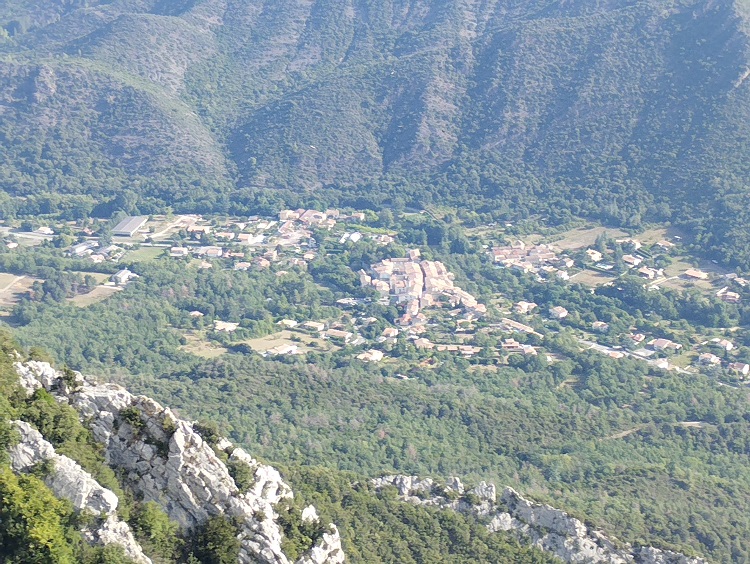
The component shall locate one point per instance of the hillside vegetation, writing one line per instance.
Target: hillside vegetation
(37, 527)
(622, 110)
(653, 457)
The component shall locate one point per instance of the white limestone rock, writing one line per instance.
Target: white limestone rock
(502, 522)
(165, 460)
(114, 531)
(454, 483)
(543, 526)
(327, 551)
(45, 376)
(485, 492)
(406, 485)
(310, 515)
(31, 450)
(268, 482)
(651, 555)
(67, 480)
(28, 380)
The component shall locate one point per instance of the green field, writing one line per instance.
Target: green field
(144, 254)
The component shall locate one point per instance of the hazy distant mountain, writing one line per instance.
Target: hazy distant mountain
(625, 110)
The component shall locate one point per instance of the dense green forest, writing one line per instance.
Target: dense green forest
(622, 111)
(35, 527)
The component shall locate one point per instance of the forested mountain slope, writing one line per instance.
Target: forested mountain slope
(623, 110)
(146, 487)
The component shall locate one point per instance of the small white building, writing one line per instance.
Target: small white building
(558, 312)
(725, 344)
(390, 332)
(225, 326)
(525, 307)
(283, 350)
(123, 277)
(709, 359)
(631, 260)
(314, 325)
(696, 274)
(371, 356)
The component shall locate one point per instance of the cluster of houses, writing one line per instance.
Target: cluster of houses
(466, 351)
(708, 358)
(251, 243)
(313, 218)
(633, 260)
(705, 358)
(418, 284)
(537, 259)
(258, 242)
(729, 296)
(90, 249)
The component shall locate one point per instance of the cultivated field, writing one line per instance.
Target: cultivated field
(12, 287)
(201, 347)
(98, 294)
(584, 237)
(590, 278)
(144, 254)
(305, 343)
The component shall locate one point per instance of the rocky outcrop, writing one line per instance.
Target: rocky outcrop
(547, 528)
(164, 459)
(68, 480)
(327, 550)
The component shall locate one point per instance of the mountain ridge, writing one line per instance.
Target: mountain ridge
(625, 111)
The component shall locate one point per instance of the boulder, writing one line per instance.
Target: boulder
(310, 515)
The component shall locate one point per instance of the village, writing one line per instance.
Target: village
(435, 314)
(603, 263)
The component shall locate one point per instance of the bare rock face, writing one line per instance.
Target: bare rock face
(549, 529)
(114, 531)
(310, 515)
(327, 551)
(68, 480)
(165, 460)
